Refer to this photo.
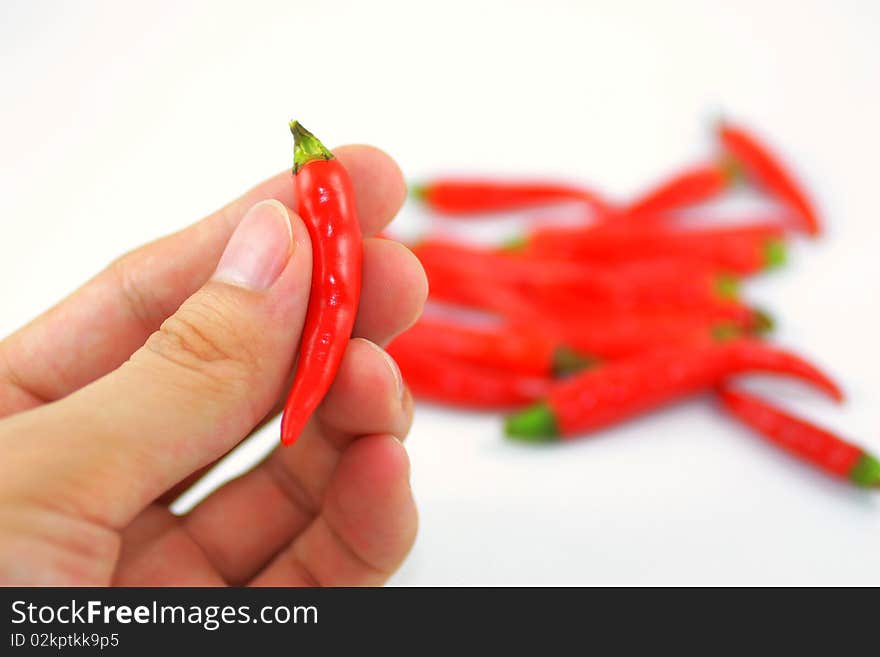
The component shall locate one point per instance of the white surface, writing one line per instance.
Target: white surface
(121, 123)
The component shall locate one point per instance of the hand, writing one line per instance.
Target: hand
(123, 394)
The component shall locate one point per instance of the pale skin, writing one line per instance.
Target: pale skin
(116, 399)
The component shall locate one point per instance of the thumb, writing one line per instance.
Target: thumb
(198, 385)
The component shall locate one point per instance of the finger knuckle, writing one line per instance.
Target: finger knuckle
(203, 338)
(135, 298)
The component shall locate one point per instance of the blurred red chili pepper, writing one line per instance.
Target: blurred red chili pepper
(767, 170)
(743, 250)
(803, 439)
(502, 347)
(608, 327)
(571, 308)
(518, 286)
(609, 394)
(442, 379)
(710, 293)
(502, 266)
(615, 335)
(657, 283)
(466, 196)
(689, 187)
(325, 201)
(482, 294)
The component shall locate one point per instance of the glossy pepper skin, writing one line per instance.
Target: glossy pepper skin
(807, 441)
(601, 397)
(443, 380)
(325, 202)
(690, 187)
(469, 196)
(767, 170)
(504, 347)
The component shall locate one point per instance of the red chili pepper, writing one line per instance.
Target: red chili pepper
(738, 249)
(465, 196)
(441, 379)
(481, 294)
(615, 335)
(503, 347)
(767, 170)
(661, 283)
(325, 201)
(601, 329)
(686, 188)
(801, 438)
(704, 292)
(526, 267)
(503, 266)
(604, 396)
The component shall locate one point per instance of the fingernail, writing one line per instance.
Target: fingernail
(259, 248)
(395, 372)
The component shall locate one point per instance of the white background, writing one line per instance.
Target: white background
(122, 122)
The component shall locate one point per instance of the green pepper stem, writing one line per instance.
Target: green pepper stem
(514, 244)
(763, 322)
(568, 361)
(727, 286)
(536, 424)
(306, 147)
(731, 170)
(725, 331)
(866, 471)
(418, 191)
(774, 254)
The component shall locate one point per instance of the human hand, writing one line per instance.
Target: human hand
(120, 396)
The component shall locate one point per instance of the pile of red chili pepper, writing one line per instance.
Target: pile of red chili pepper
(580, 324)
